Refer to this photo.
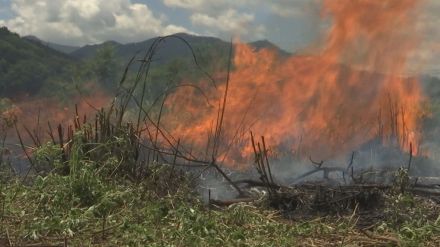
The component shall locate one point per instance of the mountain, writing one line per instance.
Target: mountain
(61, 48)
(170, 49)
(26, 65)
(266, 44)
(89, 51)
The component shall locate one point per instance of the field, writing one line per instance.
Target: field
(92, 190)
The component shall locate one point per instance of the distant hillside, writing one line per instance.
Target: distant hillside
(61, 48)
(168, 51)
(172, 48)
(26, 65)
(205, 48)
(265, 44)
(89, 51)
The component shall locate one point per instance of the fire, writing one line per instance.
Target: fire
(353, 90)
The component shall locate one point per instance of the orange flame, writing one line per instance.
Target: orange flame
(351, 92)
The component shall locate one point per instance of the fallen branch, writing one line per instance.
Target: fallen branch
(225, 203)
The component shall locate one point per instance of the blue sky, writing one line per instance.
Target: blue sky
(5, 12)
(291, 24)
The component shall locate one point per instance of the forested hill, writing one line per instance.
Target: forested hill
(171, 48)
(31, 66)
(25, 65)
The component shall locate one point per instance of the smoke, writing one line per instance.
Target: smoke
(34, 115)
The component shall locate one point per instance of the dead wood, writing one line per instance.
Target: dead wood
(226, 203)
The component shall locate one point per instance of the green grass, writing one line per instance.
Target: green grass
(87, 210)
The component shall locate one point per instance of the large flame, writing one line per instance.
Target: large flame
(352, 91)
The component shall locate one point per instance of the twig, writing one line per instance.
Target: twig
(410, 156)
(387, 239)
(267, 159)
(9, 238)
(259, 183)
(227, 178)
(318, 164)
(223, 107)
(31, 162)
(225, 203)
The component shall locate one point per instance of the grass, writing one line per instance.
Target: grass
(124, 215)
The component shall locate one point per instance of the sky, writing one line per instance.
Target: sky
(79, 22)
(291, 24)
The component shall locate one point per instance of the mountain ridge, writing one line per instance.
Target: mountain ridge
(127, 50)
(61, 48)
(170, 48)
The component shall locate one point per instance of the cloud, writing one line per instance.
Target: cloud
(88, 21)
(292, 8)
(205, 5)
(186, 4)
(230, 21)
(223, 18)
(248, 19)
(284, 8)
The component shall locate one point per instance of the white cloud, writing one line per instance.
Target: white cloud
(88, 21)
(292, 8)
(187, 4)
(226, 18)
(284, 8)
(203, 5)
(230, 21)
(223, 18)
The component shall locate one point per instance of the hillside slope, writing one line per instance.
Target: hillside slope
(25, 65)
(172, 48)
(61, 48)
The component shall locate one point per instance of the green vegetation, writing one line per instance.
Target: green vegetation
(105, 67)
(25, 66)
(83, 209)
(30, 68)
